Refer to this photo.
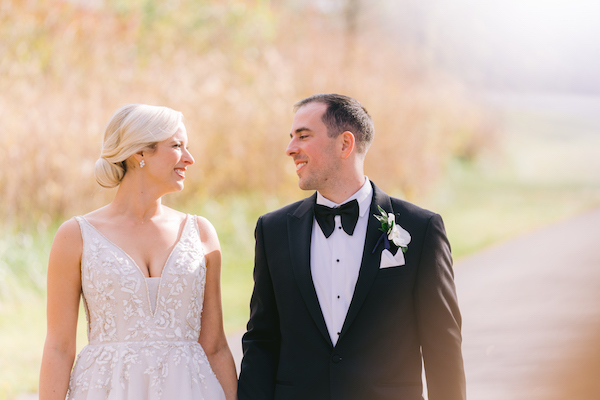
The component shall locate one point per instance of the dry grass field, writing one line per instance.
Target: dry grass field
(234, 69)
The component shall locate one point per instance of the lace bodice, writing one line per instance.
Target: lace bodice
(116, 295)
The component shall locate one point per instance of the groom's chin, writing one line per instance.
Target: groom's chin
(304, 185)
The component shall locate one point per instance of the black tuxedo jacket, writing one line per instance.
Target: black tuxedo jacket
(398, 318)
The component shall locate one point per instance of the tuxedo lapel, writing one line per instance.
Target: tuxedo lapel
(300, 225)
(370, 260)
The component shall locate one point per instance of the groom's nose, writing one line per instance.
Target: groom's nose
(292, 147)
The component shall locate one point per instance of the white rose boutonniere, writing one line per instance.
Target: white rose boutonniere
(392, 231)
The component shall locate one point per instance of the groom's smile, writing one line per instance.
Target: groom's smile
(300, 165)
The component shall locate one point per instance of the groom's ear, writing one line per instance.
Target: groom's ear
(347, 142)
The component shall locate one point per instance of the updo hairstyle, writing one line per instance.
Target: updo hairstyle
(131, 129)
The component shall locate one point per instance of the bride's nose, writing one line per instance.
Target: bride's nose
(187, 157)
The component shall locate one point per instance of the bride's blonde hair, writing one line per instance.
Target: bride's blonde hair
(131, 129)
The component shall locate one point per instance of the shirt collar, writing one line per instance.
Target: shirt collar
(364, 195)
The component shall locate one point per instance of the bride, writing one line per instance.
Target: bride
(149, 277)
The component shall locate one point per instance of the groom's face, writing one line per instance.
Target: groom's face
(314, 152)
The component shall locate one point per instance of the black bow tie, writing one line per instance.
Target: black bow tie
(325, 217)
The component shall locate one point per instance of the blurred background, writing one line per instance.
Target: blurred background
(486, 112)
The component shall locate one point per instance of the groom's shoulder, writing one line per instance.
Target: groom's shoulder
(414, 218)
(403, 207)
(406, 207)
(412, 212)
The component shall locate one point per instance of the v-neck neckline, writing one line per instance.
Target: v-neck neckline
(153, 310)
(162, 271)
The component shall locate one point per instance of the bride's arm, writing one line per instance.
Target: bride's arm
(212, 335)
(64, 288)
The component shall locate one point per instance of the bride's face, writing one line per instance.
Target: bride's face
(167, 165)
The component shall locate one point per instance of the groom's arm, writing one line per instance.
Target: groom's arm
(439, 317)
(262, 340)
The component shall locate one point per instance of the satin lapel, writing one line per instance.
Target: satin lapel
(370, 260)
(300, 225)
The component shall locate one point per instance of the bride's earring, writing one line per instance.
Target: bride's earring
(142, 163)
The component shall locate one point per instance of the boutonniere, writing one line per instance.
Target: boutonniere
(391, 231)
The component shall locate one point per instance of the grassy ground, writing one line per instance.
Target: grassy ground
(541, 172)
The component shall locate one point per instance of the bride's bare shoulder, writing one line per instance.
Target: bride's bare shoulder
(171, 213)
(68, 238)
(69, 228)
(98, 216)
(208, 233)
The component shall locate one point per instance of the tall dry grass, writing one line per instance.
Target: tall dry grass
(234, 68)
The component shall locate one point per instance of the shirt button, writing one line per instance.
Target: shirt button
(338, 260)
(339, 227)
(338, 297)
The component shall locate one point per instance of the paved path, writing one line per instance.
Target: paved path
(531, 315)
(531, 308)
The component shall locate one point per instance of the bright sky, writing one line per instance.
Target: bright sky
(543, 40)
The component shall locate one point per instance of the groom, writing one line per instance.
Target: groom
(342, 310)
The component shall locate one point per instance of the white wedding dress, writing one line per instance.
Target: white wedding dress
(142, 345)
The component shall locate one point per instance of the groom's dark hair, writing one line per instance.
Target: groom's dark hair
(344, 114)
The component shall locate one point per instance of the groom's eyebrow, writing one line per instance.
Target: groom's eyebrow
(299, 130)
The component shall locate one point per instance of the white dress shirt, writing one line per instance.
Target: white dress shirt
(335, 261)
